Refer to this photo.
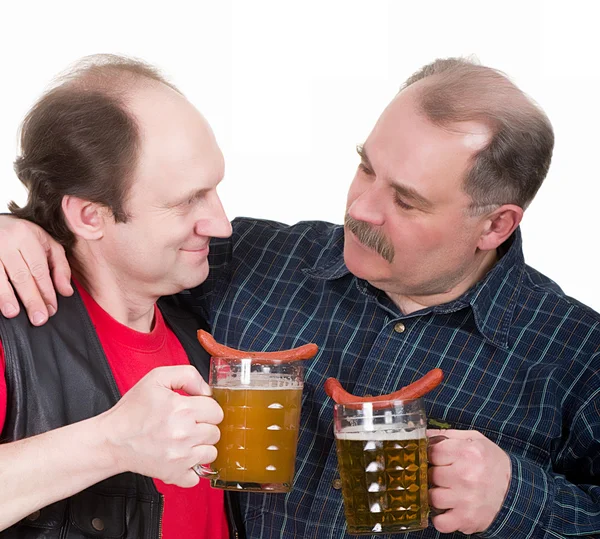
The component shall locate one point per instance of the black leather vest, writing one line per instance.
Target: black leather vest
(57, 374)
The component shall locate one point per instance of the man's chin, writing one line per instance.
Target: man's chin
(189, 276)
(364, 267)
(194, 281)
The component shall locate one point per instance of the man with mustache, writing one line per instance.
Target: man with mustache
(427, 272)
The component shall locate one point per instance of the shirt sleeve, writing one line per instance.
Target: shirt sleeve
(563, 501)
(3, 394)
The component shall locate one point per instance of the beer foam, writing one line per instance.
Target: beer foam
(381, 433)
(238, 387)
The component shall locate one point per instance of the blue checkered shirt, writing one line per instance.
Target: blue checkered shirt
(521, 363)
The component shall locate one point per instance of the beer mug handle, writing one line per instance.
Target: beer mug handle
(432, 441)
(204, 471)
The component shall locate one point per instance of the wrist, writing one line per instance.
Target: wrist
(109, 448)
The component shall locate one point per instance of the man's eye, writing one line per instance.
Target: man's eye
(363, 168)
(401, 203)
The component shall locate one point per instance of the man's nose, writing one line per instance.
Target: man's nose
(214, 224)
(367, 206)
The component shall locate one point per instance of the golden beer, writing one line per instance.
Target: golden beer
(384, 481)
(259, 432)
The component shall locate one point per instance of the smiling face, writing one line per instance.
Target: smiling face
(173, 204)
(408, 229)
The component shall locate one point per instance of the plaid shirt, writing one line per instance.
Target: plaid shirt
(521, 363)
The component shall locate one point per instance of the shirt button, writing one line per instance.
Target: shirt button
(98, 524)
(34, 516)
(399, 327)
(337, 484)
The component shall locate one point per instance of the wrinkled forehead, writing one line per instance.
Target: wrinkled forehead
(408, 148)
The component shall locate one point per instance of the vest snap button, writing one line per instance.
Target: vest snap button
(337, 484)
(98, 524)
(34, 516)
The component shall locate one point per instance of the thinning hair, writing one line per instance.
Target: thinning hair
(80, 139)
(511, 166)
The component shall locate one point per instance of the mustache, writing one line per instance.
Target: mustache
(371, 237)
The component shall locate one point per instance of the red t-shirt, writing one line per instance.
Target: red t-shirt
(197, 512)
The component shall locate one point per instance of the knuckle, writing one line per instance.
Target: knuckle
(20, 276)
(190, 370)
(178, 433)
(60, 250)
(470, 503)
(472, 452)
(173, 454)
(472, 476)
(39, 270)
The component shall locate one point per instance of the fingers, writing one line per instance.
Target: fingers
(8, 302)
(202, 454)
(441, 498)
(450, 447)
(182, 377)
(24, 249)
(445, 522)
(445, 453)
(207, 410)
(442, 476)
(436, 439)
(188, 480)
(455, 434)
(18, 272)
(207, 434)
(59, 266)
(35, 258)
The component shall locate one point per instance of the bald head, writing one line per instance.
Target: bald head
(82, 139)
(511, 136)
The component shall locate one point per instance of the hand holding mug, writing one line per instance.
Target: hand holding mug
(469, 477)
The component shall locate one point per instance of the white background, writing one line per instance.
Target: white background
(291, 87)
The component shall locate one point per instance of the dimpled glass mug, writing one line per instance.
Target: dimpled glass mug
(261, 402)
(382, 459)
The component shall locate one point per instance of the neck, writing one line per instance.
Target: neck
(116, 295)
(411, 303)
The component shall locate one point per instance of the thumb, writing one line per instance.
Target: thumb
(185, 378)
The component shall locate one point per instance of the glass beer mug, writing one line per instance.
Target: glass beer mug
(261, 401)
(382, 459)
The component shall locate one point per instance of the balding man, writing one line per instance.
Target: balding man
(103, 418)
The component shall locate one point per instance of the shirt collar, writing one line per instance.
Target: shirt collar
(492, 299)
